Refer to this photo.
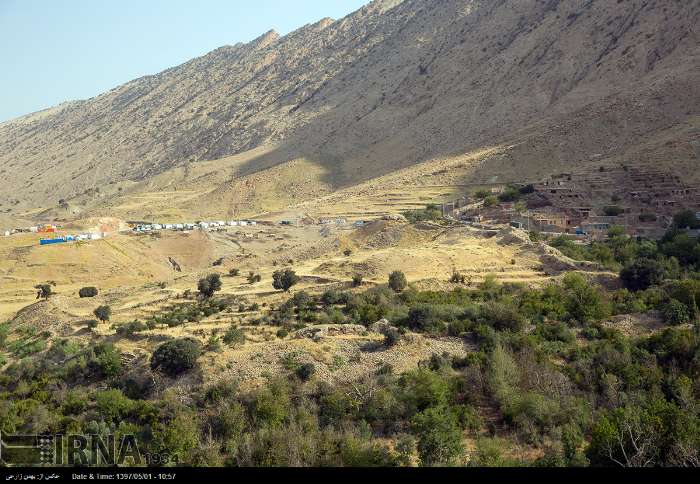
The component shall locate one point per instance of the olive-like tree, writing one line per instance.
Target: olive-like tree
(284, 280)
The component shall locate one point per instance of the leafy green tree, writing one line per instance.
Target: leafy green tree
(176, 356)
(686, 219)
(676, 313)
(439, 436)
(421, 389)
(106, 360)
(682, 246)
(583, 302)
(272, 404)
(503, 315)
(397, 281)
(177, 437)
(234, 336)
(103, 313)
(284, 280)
(113, 404)
(642, 274)
(490, 201)
(643, 436)
(510, 194)
(207, 286)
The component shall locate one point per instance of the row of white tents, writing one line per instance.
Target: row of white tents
(194, 226)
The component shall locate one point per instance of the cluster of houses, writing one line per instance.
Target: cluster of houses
(211, 226)
(72, 238)
(36, 229)
(642, 201)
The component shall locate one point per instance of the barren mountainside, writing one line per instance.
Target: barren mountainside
(562, 82)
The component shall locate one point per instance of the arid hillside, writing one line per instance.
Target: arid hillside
(560, 83)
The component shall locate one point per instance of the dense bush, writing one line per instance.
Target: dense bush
(284, 280)
(130, 329)
(613, 210)
(430, 318)
(176, 356)
(305, 371)
(429, 213)
(207, 286)
(686, 219)
(397, 281)
(105, 360)
(439, 436)
(502, 316)
(642, 274)
(234, 336)
(88, 291)
(584, 302)
(103, 313)
(676, 313)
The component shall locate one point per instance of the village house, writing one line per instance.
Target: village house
(550, 221)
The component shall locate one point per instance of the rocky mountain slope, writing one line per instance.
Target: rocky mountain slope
(561, 82)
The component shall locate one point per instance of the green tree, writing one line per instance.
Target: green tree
(106, 360)
(113, 404)
(176, 356)
(103, 313)
(397, 281)
(234, 336)
(685, 219)
(177, 437)
(676, 313)
(439, 436)
(490, 201)
(583, 301)
(284, 280)
(642, 274)
(209, 285)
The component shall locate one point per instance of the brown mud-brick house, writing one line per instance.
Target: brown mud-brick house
(550, 221)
